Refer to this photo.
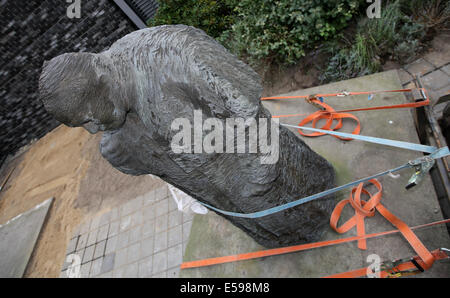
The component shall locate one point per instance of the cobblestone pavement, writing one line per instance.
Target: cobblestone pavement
(144, 237)
(434, 68)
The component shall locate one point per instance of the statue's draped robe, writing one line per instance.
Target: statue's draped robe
(179, 69)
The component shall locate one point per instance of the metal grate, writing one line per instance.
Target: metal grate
(145, 9)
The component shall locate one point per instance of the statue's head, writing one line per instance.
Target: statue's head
(78, 90)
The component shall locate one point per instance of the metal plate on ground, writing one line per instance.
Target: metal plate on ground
(18, 237)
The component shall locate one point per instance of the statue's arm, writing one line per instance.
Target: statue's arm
(126, 149)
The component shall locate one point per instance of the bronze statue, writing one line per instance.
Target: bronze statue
(135, 90)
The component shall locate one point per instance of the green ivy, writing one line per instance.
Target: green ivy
(212, 16)
(282, 31)
(279, 31)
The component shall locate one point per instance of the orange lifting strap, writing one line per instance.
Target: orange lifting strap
(423, 261)
(328, 113)
(367, 209)
(406, 268)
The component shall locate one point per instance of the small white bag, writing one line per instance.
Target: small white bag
(186, 203)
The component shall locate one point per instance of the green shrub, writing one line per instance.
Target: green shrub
(282, 31)
(408, 41)
(433, 14)
(345, 64)
(393, 36)
(212, 16)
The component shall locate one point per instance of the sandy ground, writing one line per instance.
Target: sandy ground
(65, 164)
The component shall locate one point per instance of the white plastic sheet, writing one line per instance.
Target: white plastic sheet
(186, 203)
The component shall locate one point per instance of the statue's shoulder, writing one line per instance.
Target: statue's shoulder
(165, 35)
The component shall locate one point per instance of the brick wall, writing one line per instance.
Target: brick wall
(34, 31)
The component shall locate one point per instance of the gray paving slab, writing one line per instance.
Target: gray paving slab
(131, 237)
(18, 239)
(173, 272)
(175, 236)
(92, 237)
(187, 216)
(88, 254)
(113, 228)
(159, 262)
(161, 223)
(133, 252)
(126, 208)
(65, 265)
(438, 58)
(125, 223)
(122, 240)
(135, 234)
(82, 240)
(106, 275)
(405, 77)
(137, 218)
(95, 223)
(175, 218)
(85, 270)
(161, 208)
(80, 253)
(172, 205)
(108, 263)
(63, 274)
(71, 247)
(99, 249)
(145, 267)
(436, 80)
(105, 219)
(160, 242)
(131, 270)
(149, 212)
(147, 247)
(114, 214)
(121, 258)
(186, 230)
(184, 246)
(148, 228)
(111, 245)
(420, 66)
(149, 198)
(119, 272)
(161, 193)
(102, 232)
(174, 256)
(96, 267)
(160, 275)
(446, 69)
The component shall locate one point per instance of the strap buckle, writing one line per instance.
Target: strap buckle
(397, 274)
(393, 272)
(421, 167)
(344, 93)
(310, 99)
